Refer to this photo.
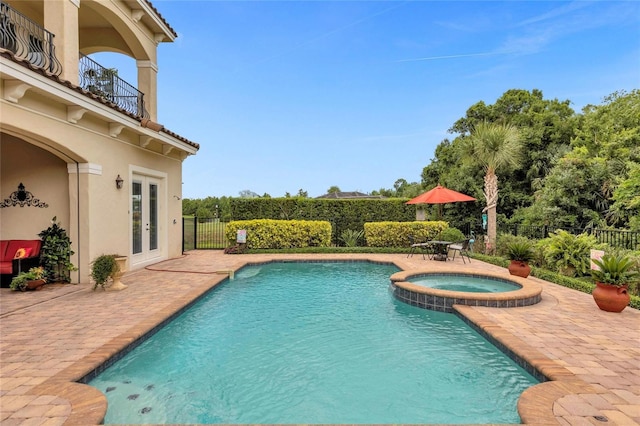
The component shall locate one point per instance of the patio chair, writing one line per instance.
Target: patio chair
(425, 247)
(461, 247)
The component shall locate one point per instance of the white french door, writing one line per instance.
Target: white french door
(145, 205)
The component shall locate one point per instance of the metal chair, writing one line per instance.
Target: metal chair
(461, 247)
(422, 246)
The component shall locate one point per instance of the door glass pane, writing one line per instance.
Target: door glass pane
(136, 216)
(153, 216)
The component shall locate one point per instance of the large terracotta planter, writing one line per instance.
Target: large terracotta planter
(519, 268)
(611, 298)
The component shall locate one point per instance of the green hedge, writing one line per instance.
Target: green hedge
(343, 214)
(278, 234)
(396, 234)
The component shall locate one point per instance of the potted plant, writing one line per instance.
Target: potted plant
(33, 279)
(56, 253)
(520, 253)
(612, 278)
(106, 267)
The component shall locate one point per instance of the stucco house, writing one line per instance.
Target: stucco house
(79, 143)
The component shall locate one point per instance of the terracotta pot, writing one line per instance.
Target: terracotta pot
(519, 268)
(34, 285)
(611, 298)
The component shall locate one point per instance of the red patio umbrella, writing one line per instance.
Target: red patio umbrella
(440, 195)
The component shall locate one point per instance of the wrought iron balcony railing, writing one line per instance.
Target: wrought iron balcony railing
(104, 82)
(27, 40)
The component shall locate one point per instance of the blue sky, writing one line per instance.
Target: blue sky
(290, 95)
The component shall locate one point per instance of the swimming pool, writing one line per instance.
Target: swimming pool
(313, 343)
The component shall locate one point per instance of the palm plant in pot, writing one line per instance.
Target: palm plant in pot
(612, 280)
(520, 253)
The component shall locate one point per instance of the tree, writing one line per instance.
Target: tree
(302, 194)
(495, 147)
(245, 193)
(333, 189)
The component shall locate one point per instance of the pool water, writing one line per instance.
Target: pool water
(465, 283)
(313, 343)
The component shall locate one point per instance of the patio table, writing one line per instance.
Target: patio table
(440, 250)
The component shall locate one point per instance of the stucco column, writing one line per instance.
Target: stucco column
(61, 18)
(148, 84)
(80, 176)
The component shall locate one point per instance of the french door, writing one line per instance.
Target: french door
(145, 203)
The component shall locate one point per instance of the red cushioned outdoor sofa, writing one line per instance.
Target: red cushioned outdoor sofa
(16, 256)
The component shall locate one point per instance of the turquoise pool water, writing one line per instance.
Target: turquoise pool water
(313, 343)
(464, 283)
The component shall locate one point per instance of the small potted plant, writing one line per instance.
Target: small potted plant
(612, 278)
(520, 253)
(31, 280)
(108, 267)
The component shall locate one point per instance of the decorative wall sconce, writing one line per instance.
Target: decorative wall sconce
(22, 198)
(119, 182)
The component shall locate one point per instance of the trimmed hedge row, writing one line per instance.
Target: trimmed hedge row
(278, 234)
(343, 214)
(396, 234)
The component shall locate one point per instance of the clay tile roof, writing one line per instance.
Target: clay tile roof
(161, 17)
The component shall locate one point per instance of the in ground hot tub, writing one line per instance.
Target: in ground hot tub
(439, 291)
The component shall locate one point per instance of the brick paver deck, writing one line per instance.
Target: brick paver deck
(51, 338)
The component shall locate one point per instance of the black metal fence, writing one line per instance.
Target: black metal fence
(209, 234)
(613, 237)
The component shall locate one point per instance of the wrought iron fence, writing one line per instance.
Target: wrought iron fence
(613, 237)
(105, 83)
(208, 234)
(27, 40)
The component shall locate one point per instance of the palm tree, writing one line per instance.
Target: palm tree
(494, 146)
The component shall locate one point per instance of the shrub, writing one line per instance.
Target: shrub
(520, 251)
(396, 234)
(567, 253)
(451, 234)
(278, 234)
(351, 237)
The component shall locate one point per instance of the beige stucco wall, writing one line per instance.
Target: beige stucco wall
(70, 148)
(76, 166)
(44, 176)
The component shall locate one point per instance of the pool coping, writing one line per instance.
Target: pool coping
(89, 405)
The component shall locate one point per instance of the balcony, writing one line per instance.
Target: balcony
(105, 83)
(32, 43)
(27, 40)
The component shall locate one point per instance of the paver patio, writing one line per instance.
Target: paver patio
(51, 338)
